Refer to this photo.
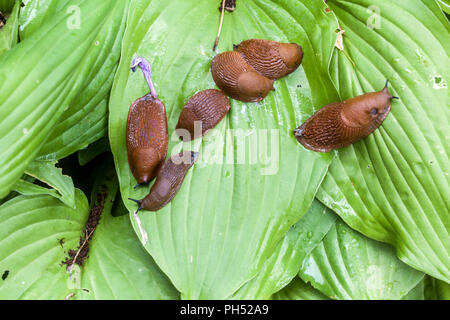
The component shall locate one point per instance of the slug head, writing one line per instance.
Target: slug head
(236, 78)
(272, 59)
(291, 54)
(169, 180)
(253, 87)
(368, 110)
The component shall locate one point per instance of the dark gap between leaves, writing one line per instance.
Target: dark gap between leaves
(83, 177)
(2, 20)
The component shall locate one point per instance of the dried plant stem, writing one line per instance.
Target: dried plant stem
(220, 26)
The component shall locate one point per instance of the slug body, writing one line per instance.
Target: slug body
(168, 181)
(147, 138)
(207, 108)
(340, 124)
(238, 79)
(147, 135)
(270, 58)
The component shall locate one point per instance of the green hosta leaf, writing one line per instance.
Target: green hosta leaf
(36, 232)
(288, 257)
(445, 5)
(227, 218)
(6, 6)
(34, 92)
(9, 32)
(297, 289)
(29, 189)
(347, 265)
(393, 186)
(48, 173)
(31, 228)
(436, 289)
(34, 13)
(416, 293)
(118, 267)
(85, 120)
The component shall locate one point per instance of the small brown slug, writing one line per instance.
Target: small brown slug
(168, 181)
(205, 109)
(339, 124)
(237, 79)
(147, 135)
(271, 58)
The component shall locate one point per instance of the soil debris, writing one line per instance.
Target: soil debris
(5, 275)
(230, 5)
(79, 255)
(61, 242)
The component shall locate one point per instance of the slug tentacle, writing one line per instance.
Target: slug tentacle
(147, 133)
(168, 180)
(340, 124)
(272, 59)
(206, 108)
(147, 70)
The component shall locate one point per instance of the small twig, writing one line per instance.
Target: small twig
(70, 295)
(70, 268)
(220, 26)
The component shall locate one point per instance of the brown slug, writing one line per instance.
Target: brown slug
(147, 135)
(205, 109)
(234, 76)
(270, 58)
(339, 124)
(168, 181)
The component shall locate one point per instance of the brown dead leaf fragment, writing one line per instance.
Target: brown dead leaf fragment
(339, 40)
(79, 255)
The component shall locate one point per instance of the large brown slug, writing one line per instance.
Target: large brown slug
(271, 58)
(168, 181)
(147, 135)
(340, 124)
(237, 79)
(205, 109)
